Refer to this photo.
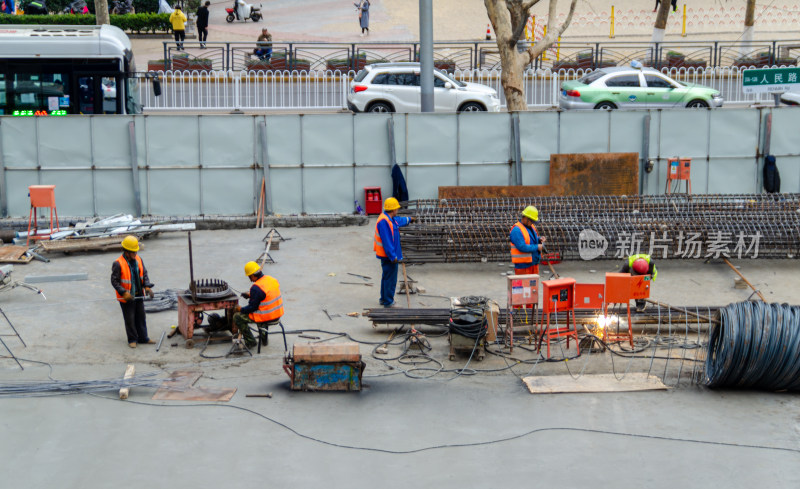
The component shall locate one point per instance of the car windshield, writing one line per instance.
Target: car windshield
(450, 78)
(590, 77)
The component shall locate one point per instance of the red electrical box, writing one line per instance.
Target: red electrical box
(589, 296)
(640, 287)
(618, 288)
(558, 295)
(373, 200)
(523, 290)
(680, 168)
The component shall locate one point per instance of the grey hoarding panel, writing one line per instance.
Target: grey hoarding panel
(734, 132)
(785, 124)
(627, 129)
(173, 140)
(227, 140)
(62, 144)
(373, 177)
(538, 135)
(731, 176)
(228, 191)
(400, 125)
(283, 140)
(328, 139)
(73, 191)
(329, 190)
(535, 173)
(286, 190)
(372, 139)
(684, 133)
(19, 205)
(424, 181)
(432, 138)
(112, 143)
(486, 174)
(584, 132)
(174, 192)
(115, 192)
(484, 138)
(19, 142)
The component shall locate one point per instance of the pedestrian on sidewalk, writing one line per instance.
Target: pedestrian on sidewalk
(178, 20)
(202, 23)
(363, 16)
(131, 283)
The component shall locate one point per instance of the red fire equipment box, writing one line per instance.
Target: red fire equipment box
(373, 200)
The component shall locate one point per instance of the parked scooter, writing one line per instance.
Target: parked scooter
(245, 10)
(76, 7)
(36, 7)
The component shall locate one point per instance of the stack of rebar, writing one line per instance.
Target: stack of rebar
(676, 226)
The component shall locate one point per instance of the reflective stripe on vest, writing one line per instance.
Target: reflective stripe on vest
(125, 274)
(271, 308)
(516, 255)
(377, 244)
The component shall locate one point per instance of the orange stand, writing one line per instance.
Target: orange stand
(679, 170)
(41, 196)
(558, 295)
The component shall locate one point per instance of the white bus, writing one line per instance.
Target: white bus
(52, 70)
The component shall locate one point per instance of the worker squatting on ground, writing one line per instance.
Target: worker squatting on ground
(526, 244)
(640, 264)
(386, 244)
(130, 281)
(265, 306)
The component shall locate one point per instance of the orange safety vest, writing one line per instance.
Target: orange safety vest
(125, 275)
(377, 244)
(271, 308)
(516, 255)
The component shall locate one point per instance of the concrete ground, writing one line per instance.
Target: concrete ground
(466, 20)
(450, 430)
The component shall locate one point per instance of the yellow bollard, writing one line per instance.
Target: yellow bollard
(544, 33)
(558, 49)
(683, 32)
(611, 34)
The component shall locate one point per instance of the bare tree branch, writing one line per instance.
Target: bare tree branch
(553, 33)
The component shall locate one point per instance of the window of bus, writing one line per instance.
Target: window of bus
(40, 93)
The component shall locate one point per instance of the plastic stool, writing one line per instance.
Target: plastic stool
(41, 196)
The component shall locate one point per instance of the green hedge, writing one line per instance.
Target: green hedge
(132, 23)
(58, 6)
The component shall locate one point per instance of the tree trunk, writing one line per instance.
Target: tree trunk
(749, 23)
(661, 21)
(101, 12)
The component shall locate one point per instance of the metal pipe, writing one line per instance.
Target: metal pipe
(426, 55)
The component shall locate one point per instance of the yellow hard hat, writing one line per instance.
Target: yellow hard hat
(251, 267)
(391, 204)
(130, 243)
(531, 213)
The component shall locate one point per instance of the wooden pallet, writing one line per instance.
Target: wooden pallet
(14, 254)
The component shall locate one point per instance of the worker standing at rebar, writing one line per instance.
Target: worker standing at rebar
(386, 244)
(640, 264)
(526, 244)
(265, 306)
(130, 281)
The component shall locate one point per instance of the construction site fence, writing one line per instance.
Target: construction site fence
(204, 165)
(192, 90)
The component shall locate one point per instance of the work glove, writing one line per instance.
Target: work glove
(149, 292)
(246, 295)
(127, 297)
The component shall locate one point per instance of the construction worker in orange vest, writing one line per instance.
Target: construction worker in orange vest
(386, 243)
(130, 281)
(526, 244)
(264, 307)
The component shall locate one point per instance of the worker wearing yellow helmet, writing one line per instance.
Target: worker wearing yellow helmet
(526, 244)
(386, 243)
(264, 307)
(131, 283)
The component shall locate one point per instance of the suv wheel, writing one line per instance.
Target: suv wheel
(472, 107)
(380, 107)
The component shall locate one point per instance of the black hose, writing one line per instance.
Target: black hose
(755, 346)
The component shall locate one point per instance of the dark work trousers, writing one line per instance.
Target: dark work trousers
(202, 31)
(180, 36)
(388, 281)
(135, 322)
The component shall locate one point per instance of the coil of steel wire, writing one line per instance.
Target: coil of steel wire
(755, 346)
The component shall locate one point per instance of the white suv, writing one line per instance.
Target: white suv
(394, 87)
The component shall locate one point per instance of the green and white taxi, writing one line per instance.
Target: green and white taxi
(634, 88)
